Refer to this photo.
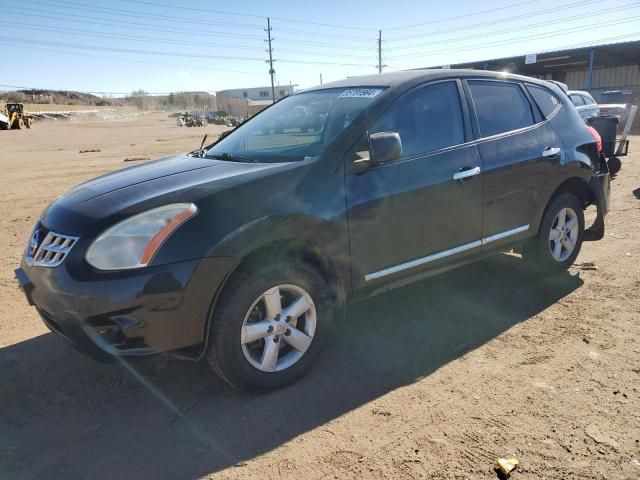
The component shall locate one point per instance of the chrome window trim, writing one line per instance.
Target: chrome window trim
(445, 253)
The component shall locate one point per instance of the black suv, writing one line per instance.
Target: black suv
(242, 251)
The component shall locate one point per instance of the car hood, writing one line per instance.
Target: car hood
(86, 208)
(137, 175)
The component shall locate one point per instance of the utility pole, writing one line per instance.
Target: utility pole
(379, 51)
(272, 72)
(320, 79)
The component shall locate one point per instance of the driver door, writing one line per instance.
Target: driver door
(424, 209)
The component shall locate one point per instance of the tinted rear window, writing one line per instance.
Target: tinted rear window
(546, 100)
(500, 107)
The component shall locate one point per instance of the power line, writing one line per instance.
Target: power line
(173, 19)
(144, 62)
(580, 3)
(341, 46)
(156, 40)
(515, 29)
(134, 14)
(167, 54)
(517, 40)
(324, 35)
(282, 19)
(457, 17)
(87, 20)
(553, 33)
(599, 42)
(112, 23)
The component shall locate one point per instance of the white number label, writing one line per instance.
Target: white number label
(361, 92)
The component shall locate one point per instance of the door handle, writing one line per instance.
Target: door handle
(466, 172)
(551, 152)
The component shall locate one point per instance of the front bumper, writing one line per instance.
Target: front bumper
(141, 312)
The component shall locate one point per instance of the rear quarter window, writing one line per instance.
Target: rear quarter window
(500, 107)
(546, 100)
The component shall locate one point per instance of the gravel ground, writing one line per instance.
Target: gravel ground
(433, 380)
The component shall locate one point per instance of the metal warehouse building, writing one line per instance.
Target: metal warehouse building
(597, 68)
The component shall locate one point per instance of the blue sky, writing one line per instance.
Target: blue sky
(168, 45)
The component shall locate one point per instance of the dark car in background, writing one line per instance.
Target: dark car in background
(242, 252)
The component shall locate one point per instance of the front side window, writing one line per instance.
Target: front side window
(427, 119)
(546, 100)
(298, 126)
(500, 107)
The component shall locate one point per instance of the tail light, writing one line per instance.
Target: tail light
(597, 138)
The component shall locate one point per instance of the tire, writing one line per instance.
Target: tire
(249, 366)
(550, 250)
(614, 164)
(28, 123)
(20, 123)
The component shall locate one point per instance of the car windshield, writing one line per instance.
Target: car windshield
(295, 128)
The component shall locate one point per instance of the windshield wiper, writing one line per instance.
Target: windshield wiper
(201, 151)
(231, 158)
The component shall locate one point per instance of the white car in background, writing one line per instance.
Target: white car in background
(615, 103)
(584, 103)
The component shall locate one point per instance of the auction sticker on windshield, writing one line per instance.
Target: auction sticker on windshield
(361, 92)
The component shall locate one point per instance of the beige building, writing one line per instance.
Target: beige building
(245, 102)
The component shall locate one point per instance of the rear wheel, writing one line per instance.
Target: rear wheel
(559, 239)
(269, 325)
(27, 123)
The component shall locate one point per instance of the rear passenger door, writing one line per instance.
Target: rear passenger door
(519, 150)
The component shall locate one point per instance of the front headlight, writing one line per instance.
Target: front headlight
(133, 242)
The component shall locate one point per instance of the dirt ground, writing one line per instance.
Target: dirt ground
(433, 380)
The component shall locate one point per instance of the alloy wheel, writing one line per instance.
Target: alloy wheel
(563, 236)
(278, 328)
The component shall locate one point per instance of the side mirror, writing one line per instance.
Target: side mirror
(384, 147)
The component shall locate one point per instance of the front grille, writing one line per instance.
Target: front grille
(53, 249)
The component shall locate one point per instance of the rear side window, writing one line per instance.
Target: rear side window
(546, 100)
(427, 119)
(577, 100)
(500, 107)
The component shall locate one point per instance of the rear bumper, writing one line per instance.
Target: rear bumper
(152, 310)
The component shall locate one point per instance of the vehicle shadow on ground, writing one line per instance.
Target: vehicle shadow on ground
(64, 416)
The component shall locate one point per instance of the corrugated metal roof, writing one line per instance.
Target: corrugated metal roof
(607, 54)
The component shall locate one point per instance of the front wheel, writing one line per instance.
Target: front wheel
(269, 325)
(559, 239)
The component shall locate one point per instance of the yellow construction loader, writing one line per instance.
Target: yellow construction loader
(14, 116)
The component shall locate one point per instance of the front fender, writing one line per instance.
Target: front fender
(329, 236)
